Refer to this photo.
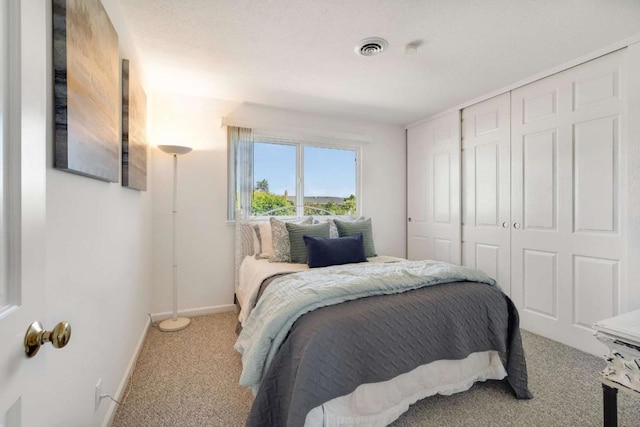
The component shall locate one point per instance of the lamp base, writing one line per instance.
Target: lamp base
(171, 325)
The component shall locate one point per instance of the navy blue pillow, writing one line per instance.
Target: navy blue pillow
(322, 252)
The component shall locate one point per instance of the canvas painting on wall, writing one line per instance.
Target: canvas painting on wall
(86, 90)
(134, 125)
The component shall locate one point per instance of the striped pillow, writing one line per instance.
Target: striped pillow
(346, 229)
(264, 248)
(247, 239)
(298, 248)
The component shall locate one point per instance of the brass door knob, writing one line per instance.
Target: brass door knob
(36, 336)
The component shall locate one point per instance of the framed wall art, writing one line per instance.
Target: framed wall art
(86, 90)
(134, 125)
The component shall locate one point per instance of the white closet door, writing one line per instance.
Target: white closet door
(485, 188)
(567, 246)
(433, 190)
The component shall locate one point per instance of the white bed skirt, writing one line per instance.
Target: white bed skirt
(379, 404)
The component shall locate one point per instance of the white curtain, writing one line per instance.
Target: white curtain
(240, 149)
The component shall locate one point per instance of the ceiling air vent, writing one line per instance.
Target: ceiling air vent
(371, 46)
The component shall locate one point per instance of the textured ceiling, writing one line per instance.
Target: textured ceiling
(298, 54)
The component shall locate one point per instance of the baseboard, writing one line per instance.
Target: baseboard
(192, 312)
(111, 412)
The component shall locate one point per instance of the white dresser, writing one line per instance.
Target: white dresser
(621, 334)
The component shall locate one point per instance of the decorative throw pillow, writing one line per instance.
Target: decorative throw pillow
(323, 252)
(296, 241)
(333, 230)
(247, 238)
(280, 238)
(263, 234)
(346, 229)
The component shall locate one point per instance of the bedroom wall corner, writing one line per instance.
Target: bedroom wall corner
(205, 266)
(206, 238)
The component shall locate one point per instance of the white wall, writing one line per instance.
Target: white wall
(98, 274)
(205, 237)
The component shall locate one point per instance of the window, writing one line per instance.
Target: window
(285, 175)
(275, 175)
(330, 179)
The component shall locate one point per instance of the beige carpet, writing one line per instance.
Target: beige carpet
(190, 378)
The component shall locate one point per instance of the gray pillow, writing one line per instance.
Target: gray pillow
(298, 248)
(346, 229)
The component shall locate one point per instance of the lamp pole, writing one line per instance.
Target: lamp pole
(174, 226)
(175, 323)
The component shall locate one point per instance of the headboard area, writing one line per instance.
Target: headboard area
(254, 236)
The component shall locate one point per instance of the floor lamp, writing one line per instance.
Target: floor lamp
(175, 323)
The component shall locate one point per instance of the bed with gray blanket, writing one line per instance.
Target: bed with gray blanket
(319, 334)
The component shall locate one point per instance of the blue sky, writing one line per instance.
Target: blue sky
(328, 172)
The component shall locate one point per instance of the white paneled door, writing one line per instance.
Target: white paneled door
(485, 188)
(24, 388)
(433, 190)
(568, 252)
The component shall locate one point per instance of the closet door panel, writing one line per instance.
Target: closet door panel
(487, 184)
(446, 227)
(595, 162)
(539, 106)
(568, 250)
(419, 242)
(487, 259)
(540, 274)
(486, 193)
(539, 180)
(442, 250)
(442, 188)
(433, 184)
(595, 289)
(468, 186)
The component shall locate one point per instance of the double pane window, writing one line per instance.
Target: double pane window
(290, 175)
(283, 177)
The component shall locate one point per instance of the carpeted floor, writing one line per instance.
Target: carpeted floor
(190, 378)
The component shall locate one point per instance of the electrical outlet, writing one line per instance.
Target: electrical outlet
(98, 393)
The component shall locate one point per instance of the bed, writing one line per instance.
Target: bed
(357, 343)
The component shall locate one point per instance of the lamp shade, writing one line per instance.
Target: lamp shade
(175, 149)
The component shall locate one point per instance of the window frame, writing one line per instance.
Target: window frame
(316, 143)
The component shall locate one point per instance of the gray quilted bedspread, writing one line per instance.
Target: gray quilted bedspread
(331, 351)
